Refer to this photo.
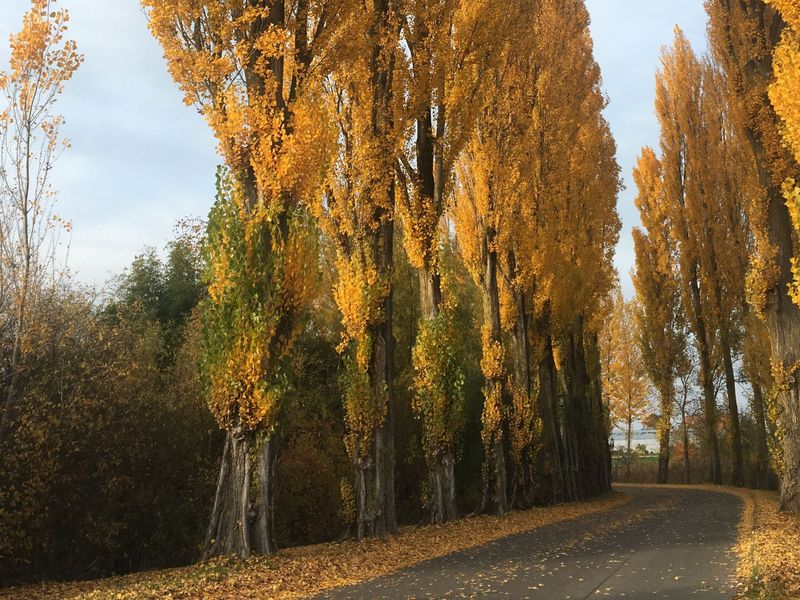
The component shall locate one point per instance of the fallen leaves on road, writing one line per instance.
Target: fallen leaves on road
(300, 572)
(769, 560)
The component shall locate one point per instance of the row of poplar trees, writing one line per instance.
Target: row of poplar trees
(473, 120)
(716, 254)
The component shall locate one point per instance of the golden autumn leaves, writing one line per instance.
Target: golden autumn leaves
(783, 93)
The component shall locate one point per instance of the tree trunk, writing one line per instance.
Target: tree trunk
(550, 462)
(242, 524)
(667, 399)
(782, 315)
(264, 534)
(663, 454)
(764, 475)
(600, 417)
(686, 462)
(783, 322)
(582, 425)
(707, 379)
(628, 451)
(375, 475)
(521, 494)
(733, 408)
(495, 481)
(441, 476)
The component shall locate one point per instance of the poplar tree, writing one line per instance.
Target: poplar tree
(253, 69)
(626, 383)
(678, 103)
(451, 46)
(358, 213)
(743, 37)
(659, 312)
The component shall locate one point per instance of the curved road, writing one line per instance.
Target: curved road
(666, 543)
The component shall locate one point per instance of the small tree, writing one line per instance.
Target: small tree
(625, 379)
(42, 61)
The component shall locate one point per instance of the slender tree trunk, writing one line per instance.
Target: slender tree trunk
(782, 315)
(601, 424)
(580, 422)
(764, 475)
(663, 453)
(495, 481)
(7, 414)
(686, 462)
(733, 409)
(783, 323)
(441, 475)
(707, 378)
(628, 451)
(521, 494)
(375, 475)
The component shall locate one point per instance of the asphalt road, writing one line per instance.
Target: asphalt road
(665, 543)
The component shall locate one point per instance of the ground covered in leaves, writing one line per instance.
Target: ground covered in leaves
(769, 559)
(300, 572)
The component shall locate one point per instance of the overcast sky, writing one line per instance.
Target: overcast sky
(141, 160)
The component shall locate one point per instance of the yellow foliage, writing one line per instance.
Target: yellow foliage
(786, 63)
(493, 355)
(492, 416)
(525, 426)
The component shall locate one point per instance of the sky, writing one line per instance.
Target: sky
(141, 160)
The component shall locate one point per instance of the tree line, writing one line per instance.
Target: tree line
(396, 310)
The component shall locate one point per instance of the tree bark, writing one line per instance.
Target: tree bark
(663, 454)
(549, 465)
(737, 477)
(599, 409)
(441, 475)
(242, 517)
(375, 476)
(521, 492)
(585, 426)
(774, 164)
(783, 322)
(707, 379)
(686, 462)
(764, 476)
(628, 450)
(494, 499)
(375, 488)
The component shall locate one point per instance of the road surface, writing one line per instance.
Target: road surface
(666, 543)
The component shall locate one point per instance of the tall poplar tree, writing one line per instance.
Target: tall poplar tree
(252, 68)
(358, 211)
(679, 90)
(743, 37)
(451, 46)
(660, 317)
